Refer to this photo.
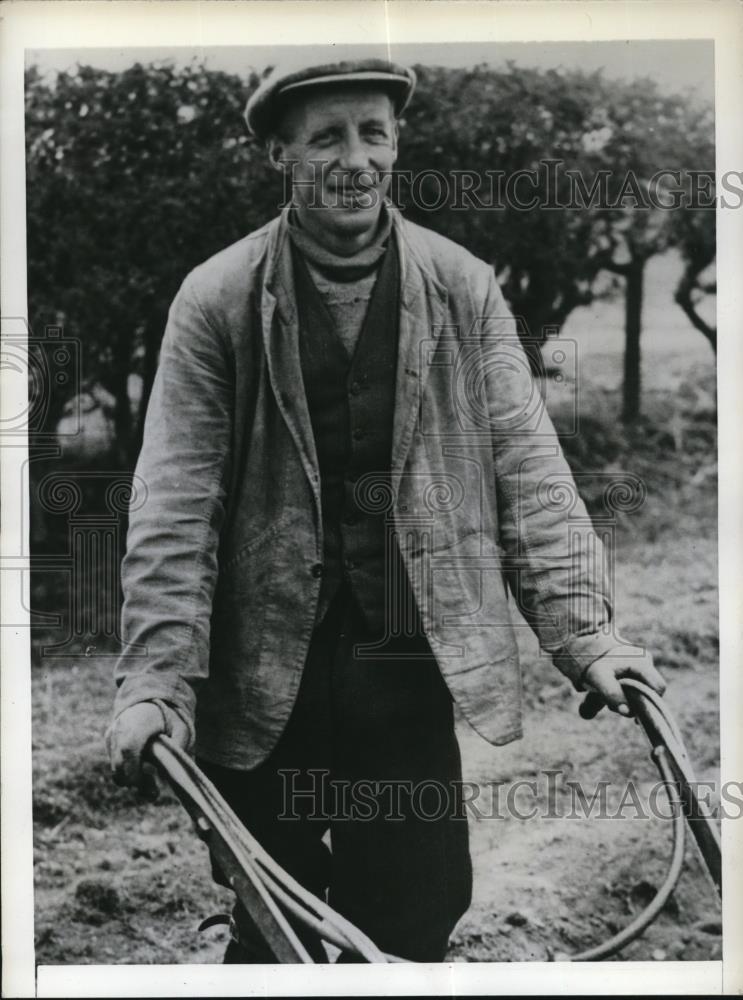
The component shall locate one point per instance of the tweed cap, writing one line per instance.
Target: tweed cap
(284, 80)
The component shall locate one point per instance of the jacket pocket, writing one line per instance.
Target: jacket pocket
(245, 590)
(250, 547)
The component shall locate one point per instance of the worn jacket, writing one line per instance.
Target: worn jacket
(224, 550)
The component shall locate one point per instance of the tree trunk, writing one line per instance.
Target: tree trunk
(683, 296)
(632, 329)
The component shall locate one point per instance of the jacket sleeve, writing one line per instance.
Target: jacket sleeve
(554, 560)
(170, 568)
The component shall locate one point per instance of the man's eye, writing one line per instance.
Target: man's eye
(323, 138)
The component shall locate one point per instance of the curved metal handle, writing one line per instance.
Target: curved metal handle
(661, 729)
(672, 760)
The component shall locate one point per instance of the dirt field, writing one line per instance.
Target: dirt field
(122, 881)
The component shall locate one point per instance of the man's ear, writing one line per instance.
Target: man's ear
(276, 149)
(395, 136)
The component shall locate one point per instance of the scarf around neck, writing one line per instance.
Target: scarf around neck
(337, 266)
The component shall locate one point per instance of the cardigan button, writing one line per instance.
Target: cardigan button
(316, 570)
(355, 388)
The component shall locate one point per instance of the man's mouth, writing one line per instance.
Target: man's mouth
(354, 197)
(357, 192)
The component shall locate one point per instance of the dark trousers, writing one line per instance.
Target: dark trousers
(370, 753)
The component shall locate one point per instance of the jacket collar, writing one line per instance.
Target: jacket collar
(423, 313)
(281, 345)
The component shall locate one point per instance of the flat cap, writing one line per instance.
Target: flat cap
(282, 81)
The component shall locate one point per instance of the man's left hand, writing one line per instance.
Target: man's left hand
(603, 678)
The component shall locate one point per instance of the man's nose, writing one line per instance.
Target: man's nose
(353, 153)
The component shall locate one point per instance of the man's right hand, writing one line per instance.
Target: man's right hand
(130, 733)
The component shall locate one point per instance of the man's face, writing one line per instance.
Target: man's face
(343, 145)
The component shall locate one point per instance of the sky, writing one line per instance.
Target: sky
(676, 65)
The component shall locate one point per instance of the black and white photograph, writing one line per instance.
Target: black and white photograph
(370, 532)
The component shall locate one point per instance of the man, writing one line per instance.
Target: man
(346, 461)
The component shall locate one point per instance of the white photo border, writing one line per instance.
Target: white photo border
(25, 24)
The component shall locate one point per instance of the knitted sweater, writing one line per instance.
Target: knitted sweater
(344, 283)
